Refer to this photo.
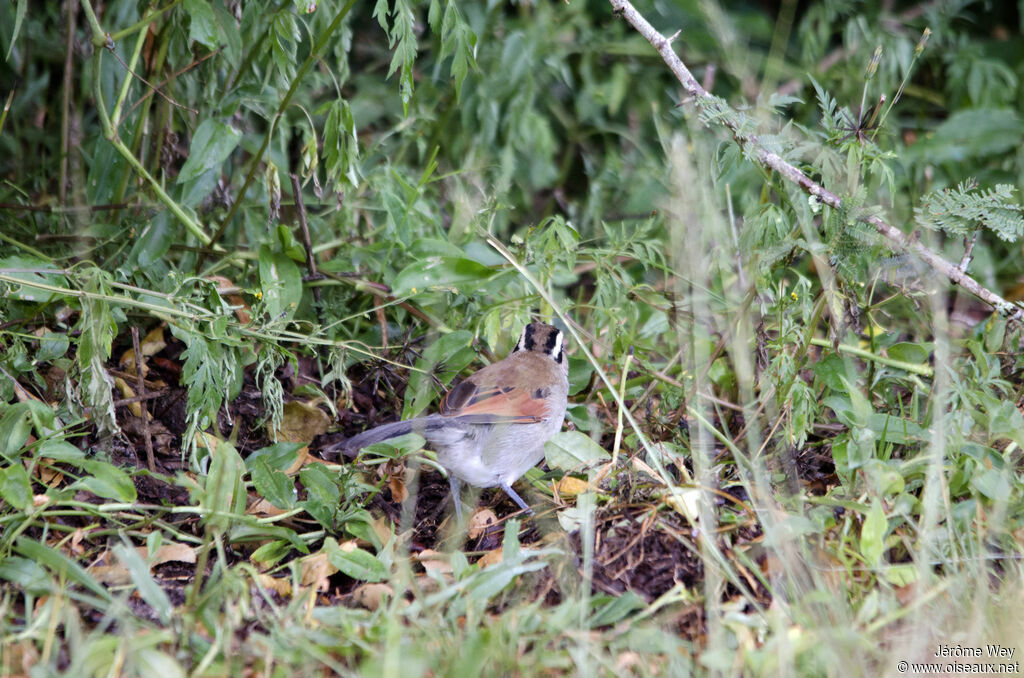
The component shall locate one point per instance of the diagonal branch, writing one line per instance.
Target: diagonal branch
(750, 143)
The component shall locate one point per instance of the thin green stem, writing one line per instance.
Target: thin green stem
(913, 368)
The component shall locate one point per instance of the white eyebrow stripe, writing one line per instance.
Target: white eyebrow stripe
(557, 350)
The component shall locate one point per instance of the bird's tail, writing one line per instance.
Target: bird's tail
(380, 434)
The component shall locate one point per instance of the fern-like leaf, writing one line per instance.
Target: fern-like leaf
(962, 210)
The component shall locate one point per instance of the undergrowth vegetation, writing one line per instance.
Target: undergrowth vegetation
(788, 267)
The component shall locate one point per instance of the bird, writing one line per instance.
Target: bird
(491, 427)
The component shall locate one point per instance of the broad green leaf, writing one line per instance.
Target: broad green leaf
(150, 591)
(16, 486)
(52, 346)
(279, 456)
(273, 485)
(153, 241)
(38, 275)
(15, 428)
(106, 480)
(993, 484)
(60, 565)
(908, 352)
(203, 25)
(571, 450)
(323, 495)
(872, 534)
(26, 575)
(212, 143)
(61, 450)
(281, 283)
(223, 488)
(447, 273)
(358, 564)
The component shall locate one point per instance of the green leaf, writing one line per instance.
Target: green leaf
(153, 242)
(571, 450)
(273, 485)
(107, 481)
(993, 484)
(445, 273)
(60, 565)
(969, 134)
(38, 276)
(15, 428)
(52, 346)
(281, 282)
(614, 609)
(831, 369)
(61, 450)
(25, 574)
(872, 534)
(223, 487)
(16, 486)
(358, 564)
(279, 456)
(150, 591)
(323, 495)
(203, 25)
(212, 143)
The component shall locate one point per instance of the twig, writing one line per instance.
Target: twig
(752, 145)
(141, 384)
(71, 8)
(965, 261)
(300, 207)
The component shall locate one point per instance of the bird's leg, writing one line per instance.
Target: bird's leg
(456, 488)
(515, 497)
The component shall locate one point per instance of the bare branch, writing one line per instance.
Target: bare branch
(750, 143)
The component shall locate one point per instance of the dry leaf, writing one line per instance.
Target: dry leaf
(280, 585)
(480, 521)
(383, 528)
(263, 508)
(434, 561)
(372, 595)
(399, 492)
(569, 486)
(128, 392)
(315, 570)
(173, 551)
(302, 422)
(48, 475)
(490, 558)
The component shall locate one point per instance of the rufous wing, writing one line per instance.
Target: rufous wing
(494, 404)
